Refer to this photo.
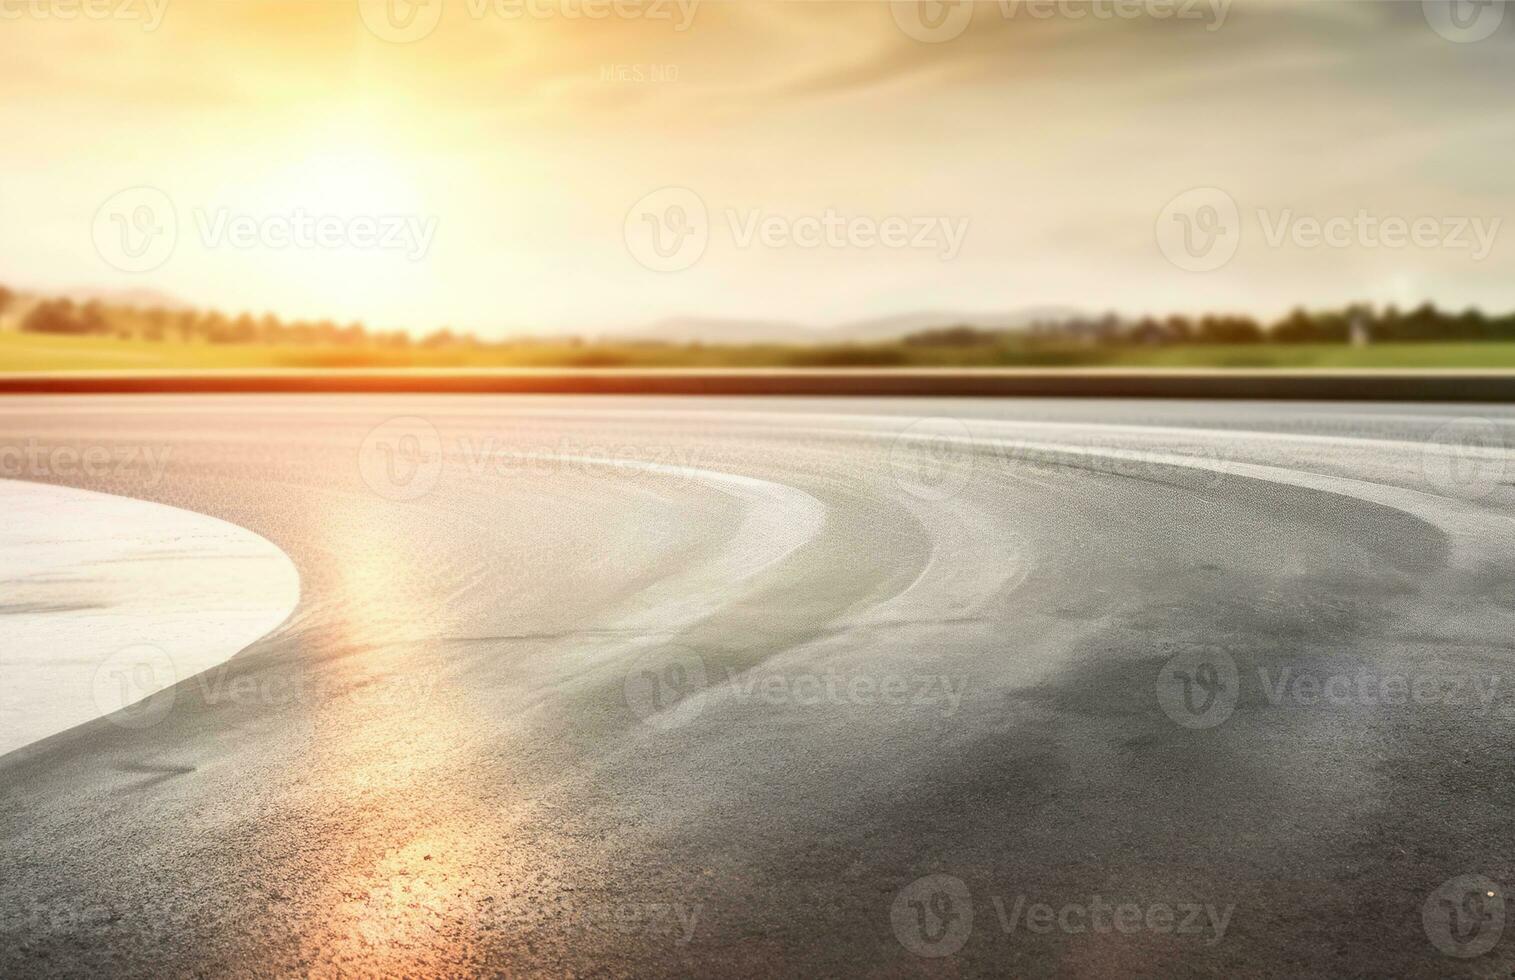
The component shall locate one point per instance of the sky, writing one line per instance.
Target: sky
(530, 166)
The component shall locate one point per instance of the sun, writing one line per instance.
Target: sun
(345, 231)
(349, 183)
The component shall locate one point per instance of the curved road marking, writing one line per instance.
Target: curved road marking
(109, 601)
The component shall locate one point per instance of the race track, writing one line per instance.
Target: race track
(799, 686)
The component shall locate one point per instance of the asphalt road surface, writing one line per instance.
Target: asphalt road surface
(817, 687)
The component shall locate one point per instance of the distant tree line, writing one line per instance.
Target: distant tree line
(1359, 324)
(93, 318)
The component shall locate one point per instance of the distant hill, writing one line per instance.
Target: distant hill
(716, 330)
(894, 327)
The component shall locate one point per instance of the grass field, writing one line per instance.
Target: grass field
(21, 352)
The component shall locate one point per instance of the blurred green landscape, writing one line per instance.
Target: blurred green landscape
(22, 352)
(54, 334)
